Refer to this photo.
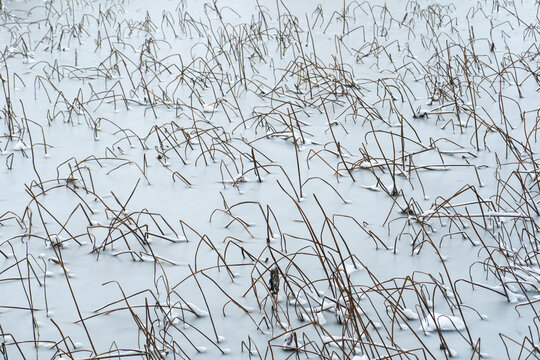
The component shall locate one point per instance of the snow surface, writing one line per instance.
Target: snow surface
(195, 179)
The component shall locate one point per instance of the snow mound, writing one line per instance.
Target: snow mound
(442, 322)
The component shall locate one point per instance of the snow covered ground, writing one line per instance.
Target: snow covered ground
(269, 179)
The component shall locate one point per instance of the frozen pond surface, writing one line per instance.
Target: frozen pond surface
(270, 179)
